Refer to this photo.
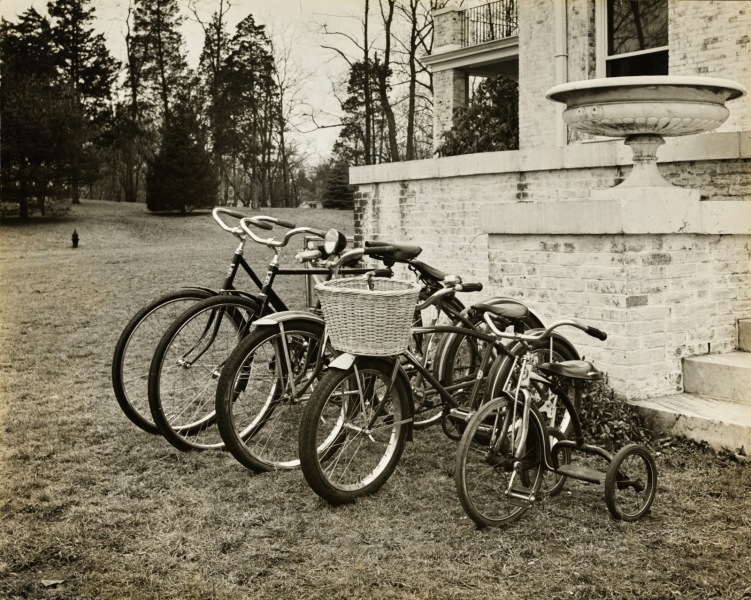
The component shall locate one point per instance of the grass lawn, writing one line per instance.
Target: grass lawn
(89, 500)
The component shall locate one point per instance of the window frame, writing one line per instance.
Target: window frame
(601, 42)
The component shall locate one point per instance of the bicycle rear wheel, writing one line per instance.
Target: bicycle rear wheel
(135, 349)
(187, 365)
(498, 471)
(343, 456)
(258, 414)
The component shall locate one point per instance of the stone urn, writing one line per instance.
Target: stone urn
(645, 110)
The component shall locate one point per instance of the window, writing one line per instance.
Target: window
(632, 38)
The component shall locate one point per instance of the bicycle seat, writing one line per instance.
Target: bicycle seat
(427, 270)
(573, 369)
(511, 311)
(399, 252)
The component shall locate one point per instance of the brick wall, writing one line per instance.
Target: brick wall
(659, 297)
(711, 39)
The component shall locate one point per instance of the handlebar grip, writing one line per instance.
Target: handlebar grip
(308, 255)
(261, 224)
(383, 273)
(286, 224)
(471, 287)
(373, 244)
(383, 250)
(232, 213)
(596, 333)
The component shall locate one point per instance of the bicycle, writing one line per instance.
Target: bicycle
(138, 340)
(361, 413)
(506, 449)
(189, 357)
(267, 380)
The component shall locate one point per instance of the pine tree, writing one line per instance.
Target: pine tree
(181, 176)
(38, 114)
(85, 65)
(158, 40)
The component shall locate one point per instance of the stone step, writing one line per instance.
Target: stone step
(744, 335)
(720, 423)
(725, 376)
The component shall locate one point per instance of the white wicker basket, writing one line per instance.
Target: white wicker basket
(375, 322)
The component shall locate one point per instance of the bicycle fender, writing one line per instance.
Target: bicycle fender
(532, 319)
(200, 289)
(535, 420)
(281, 317)
(342, 362)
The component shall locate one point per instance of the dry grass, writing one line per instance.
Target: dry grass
(115, 513)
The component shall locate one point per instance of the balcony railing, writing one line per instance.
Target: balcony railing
(489, 22)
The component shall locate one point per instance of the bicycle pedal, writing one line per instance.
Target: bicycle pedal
(460, 414)
(519, 498)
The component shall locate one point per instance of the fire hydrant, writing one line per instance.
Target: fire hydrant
(74, 237)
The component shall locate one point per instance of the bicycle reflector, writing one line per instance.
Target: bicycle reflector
(334, 242)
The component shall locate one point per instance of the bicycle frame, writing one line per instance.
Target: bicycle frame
(269, 299)
(453, 407)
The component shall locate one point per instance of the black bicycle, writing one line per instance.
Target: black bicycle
(190, 355)
(138, 340)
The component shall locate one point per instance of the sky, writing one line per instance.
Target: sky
(294, 23)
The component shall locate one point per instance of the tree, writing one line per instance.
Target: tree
(490, 123)
(157, 51)
(85, 65)
(250, 98)
(216, 48)
(181, 177)
(38, 114)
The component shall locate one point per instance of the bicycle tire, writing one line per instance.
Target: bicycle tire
(367, 456)
(135, 349)
(501, 377)
(199, 341)
(257, 416)
(485, 463)
(619, 479)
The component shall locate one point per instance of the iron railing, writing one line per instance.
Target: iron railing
(493, 21)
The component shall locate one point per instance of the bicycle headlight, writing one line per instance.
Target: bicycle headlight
(334, 242)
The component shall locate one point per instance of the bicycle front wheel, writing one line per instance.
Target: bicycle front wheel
(504, 376)
(259, 402)
(499, 470)
(135, 349)
(186, 367)
(354, 430)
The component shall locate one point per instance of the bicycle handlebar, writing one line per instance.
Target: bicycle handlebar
(596, 333)
(273, 242)
(232, 213)
(260, 224)
(448, 291)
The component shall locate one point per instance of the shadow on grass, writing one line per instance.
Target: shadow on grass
(195, 213)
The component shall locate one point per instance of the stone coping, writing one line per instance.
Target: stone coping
(614, 211)
(606, 153)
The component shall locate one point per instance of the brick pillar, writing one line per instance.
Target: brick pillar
(450, 86)
(450, 91)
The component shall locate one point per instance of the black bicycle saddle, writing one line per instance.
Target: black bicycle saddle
(573, 369)
(398, 252)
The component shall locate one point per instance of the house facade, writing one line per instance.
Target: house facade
(662, 291)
